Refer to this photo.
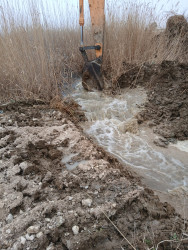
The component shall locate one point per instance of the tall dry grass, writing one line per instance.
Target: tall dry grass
(36, 57)
(39, 45)
(133, 37)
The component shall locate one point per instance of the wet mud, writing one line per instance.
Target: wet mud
(98, 204)
(167, 88)
(167, 106)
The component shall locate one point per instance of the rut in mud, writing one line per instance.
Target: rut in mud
(43, 204)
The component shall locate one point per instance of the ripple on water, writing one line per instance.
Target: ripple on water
(107, 116)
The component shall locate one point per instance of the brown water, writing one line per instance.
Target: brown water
(108, 120)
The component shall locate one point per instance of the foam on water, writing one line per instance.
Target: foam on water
(106, 117)
(181, 145)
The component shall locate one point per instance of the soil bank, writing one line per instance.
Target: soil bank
(58, 190)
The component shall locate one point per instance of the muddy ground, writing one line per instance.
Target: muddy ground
(167, 85)
(167, 107)
(58, 190)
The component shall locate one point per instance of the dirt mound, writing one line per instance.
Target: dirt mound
(176, 26)
(60, 191)
(20, 111)
(167, 105)
(135, 75)
(176, 34)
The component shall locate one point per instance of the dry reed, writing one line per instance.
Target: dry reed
(38, 53)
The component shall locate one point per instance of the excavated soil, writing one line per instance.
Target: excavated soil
(167, 88)
(167, 85)
(58, 190)
(167, 106)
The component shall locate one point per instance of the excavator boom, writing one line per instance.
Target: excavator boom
(92, 77)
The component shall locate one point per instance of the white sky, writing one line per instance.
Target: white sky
(166, 5)
(67, 10)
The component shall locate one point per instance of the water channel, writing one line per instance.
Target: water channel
(111, 121)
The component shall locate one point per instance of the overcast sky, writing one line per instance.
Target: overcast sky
(166, 5)
(53, 8)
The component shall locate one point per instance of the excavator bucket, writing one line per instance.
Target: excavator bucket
(92, 76)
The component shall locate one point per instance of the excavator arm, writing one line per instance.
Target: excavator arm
(92, 77)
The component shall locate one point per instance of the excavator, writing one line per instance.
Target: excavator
(92, 76)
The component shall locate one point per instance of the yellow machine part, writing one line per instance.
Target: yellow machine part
(81, 6)
(92, 77)
(97, 21)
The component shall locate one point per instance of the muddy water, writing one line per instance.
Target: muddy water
(111, 122)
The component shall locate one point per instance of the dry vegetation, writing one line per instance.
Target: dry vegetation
(38, 54)
(36, 57)
(132, 37)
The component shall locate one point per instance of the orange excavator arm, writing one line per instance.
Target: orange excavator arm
(81, 21)
(92, 77)
(98, 21)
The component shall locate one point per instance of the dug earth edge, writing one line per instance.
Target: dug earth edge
(38, 191)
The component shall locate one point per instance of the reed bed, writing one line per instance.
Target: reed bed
(39, 45)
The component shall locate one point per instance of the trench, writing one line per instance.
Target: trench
(111, 122)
